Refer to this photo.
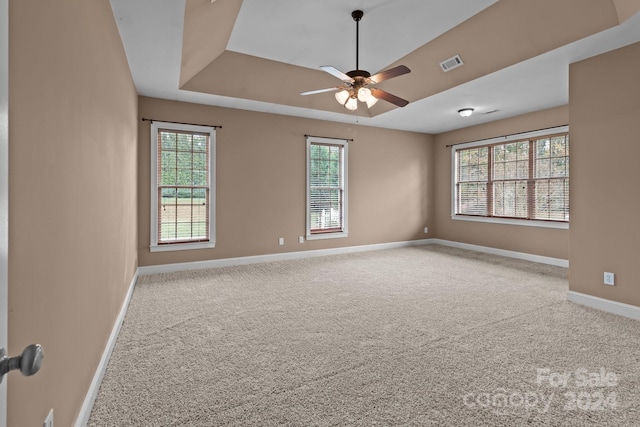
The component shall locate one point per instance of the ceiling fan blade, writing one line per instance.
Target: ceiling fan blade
(313, 92)
(385, 75)
(337, 73)
(381, 94)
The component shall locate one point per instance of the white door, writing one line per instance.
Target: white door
(4, 190)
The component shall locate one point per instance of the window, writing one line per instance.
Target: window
(182, 190)
(326, 188)
(524, 178)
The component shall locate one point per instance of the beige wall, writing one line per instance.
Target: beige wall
(605, 128)
(72, 202)
(533, 240)
(261, 182)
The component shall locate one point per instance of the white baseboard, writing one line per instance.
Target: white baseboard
(228, 262)
(558, 262)
(92, 393)
(614, 307)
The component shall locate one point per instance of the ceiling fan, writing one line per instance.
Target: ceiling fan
(356, 82)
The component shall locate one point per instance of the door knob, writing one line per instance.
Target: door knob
(29, 362)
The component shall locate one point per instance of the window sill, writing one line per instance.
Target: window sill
(181, 246)
(511, 221)
(321, 236)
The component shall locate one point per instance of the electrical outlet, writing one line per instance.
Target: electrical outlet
(426, 230)
(281, 241)
(301, 239)
(48, 422)
(609, 278)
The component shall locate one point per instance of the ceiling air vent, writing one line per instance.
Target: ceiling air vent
(451, 63)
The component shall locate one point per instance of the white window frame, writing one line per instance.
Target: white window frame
(164, 247)
(345, 149)
(499, 140)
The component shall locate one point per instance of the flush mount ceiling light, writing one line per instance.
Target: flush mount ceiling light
(355, 82)
(465, 112)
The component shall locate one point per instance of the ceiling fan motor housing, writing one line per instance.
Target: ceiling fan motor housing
(358, 73)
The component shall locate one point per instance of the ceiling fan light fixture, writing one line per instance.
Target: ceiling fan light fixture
(364, 94)
(342, 96)
(465, 112)
(371, 101)
(351, 104)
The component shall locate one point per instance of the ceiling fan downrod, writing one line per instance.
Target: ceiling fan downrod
(357, 16)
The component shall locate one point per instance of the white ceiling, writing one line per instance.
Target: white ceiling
(310, 33)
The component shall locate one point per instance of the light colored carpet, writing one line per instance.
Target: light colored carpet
(415, 336)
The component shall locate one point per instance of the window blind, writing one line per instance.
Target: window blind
(326, 188)
(183, 186)
(522, 179)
